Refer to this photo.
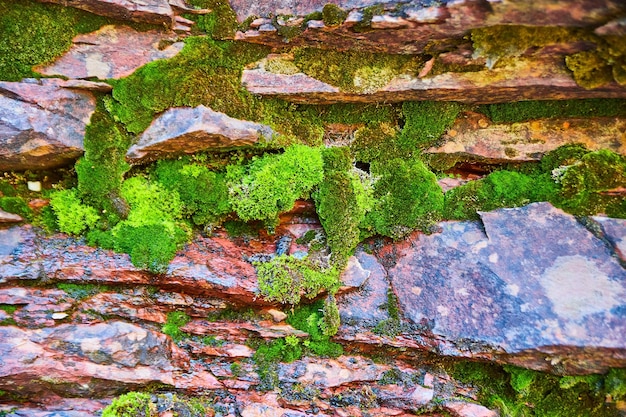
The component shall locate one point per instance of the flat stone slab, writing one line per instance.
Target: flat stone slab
(42, 125)
(112, 52)
(189, 130)
(474, 136)
(529, 286)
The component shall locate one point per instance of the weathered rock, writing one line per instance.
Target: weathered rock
(536, 79)
(341, 371)
(9, 217)
(241, 331)
(41, 125)
(112, 52)
(614, 230)
(473, 136)
(189, 130)
(93, 360)
(37, 307)
(516, 289)
(156, 12)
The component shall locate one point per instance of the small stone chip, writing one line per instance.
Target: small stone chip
(277, 315)
(34, 186)
(59, 316)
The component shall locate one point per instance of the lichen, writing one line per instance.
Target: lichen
(333, 15)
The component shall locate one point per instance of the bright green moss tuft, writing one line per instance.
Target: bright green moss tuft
(286, 279)
(310, 319)
(73, 217)
(221, 23)
(271, 184)
(133, 404)
(406, 195)
(175, 320)
(333, 15)
(16, 205)
(330, 319)
(425, 122)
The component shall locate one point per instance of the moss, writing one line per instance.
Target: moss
(595, 68)
(368, 14)
(333, 15)
(341, 202)
(355, 71)
(406, 195)
(376, 142)
(101, 170)
(73, 217)
(132, 404)
(310, 319)
(392, 326)
(203, 193)
(81, 291)
(8, 308)
(495, 42)
(16, 205)
(175, 320)
(221, 23)
(425, 122)
(271, 184)
(528, 110)
(286, 279)
(330, 317)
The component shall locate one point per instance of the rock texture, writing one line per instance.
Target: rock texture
(517, 288)
(475, 137)
(112, 52)
(42, 125)
(545, 79)
(189, 130)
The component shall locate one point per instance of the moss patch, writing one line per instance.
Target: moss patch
(528, 110)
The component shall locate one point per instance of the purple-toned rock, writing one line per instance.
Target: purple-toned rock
(41, 125)
(614, 230)
(9, 217)
(536, 79)
(37, 307)
(189, 130)
(100, 359)
(112, 52)
(530, 286)
(474, 136)
(156, 12)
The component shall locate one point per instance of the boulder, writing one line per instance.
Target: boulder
(188, 130)
(9, 217)
(474, 137)
(112, 52)
(42, 125)
(529, 286)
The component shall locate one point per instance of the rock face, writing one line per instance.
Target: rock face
(475, 137)
(545, 79)
(189, 130)
(112, 52)
(517, 290)
(41, 124)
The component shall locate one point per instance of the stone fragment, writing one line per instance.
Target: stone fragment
(94, 360)
(189, 130)
(277, 315)
(340, 371)
(41, 125)
(9, 217)
(475, 138)
(156, 12)
(112, 52)
(516, 289)
(34, 186)
(36, 307)
(465, 409)
(528, 79)
(615, 232)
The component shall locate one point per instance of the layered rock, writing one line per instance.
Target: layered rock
(474, 137)
(112, 52)
(42, 125)
(189, 130)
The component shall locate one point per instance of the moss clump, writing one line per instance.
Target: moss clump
(425, 122)
(175, 320)
(73, 217)
(593, 69)
(333, 15)
(101, 170)
(286, 279)
(341, 201)
(528, 110)
(133, 404)
(406, 196)
(392, 326)
(500, 41)
(203, 193)
(205, 72)
(310, 318)
(17, 205)
(32, 33)
(355, 71)
(221, 23)
(271, 184)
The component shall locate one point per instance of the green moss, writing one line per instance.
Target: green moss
(175, 320)
(355, 71)
(500, 41)
(392, 326)
(16, 205)
(100, 171)
(528, 110)
(341, 202)
(310, 319)
(8, 308)
(330, 317)
(271, 184)
(203, 193)
(132, 404)
(285, 279)
(73, 217)
(81, 291)
(406, 195)
(376, 142)
(593, 69)
(332, 15)
(425, 122)
(368, 14)
(221, 23)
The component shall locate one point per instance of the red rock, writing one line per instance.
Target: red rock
(112, 52)
(241, 331)
(189, 130)
(343, 370)
(464, 409)
(477, 139)
(36, 307)
(516, 291)
(41, 126)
